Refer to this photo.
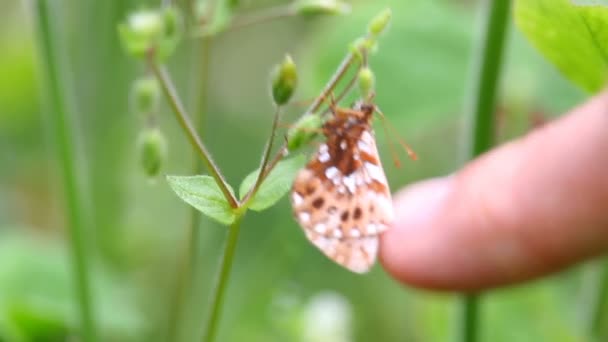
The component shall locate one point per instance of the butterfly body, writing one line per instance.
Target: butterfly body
(341, 198)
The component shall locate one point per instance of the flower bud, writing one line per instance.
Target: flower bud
(142, 31)
(303, 131)
(172, 32)
(152, 147)
(145, 95)
(150, 30)
(284, 81)
(320, 7)
(379, 23)
(366, 82)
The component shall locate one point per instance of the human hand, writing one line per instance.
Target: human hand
(525, 209)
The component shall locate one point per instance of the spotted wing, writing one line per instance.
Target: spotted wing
(342, 214)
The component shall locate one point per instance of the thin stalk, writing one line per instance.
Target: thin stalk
(255, 18)
(65, 138)
(217, 300)
(481, 106)
(594, 300)
(265, 156)
(184, 121)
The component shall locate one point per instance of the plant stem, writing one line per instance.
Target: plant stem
(265, 157)
(184, 121)
(594, 300)
(65, 138)
(257, 17)
(261, 16)
(481, 106)
(468, 318)
(217, 299)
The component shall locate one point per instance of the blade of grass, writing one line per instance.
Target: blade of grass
(56, 89)
(480, 105)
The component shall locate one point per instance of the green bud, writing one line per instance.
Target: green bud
(149, 30)
(361, 45)
(152, 147)
(172, 32)
(141, 32)
(284, 81)
(366, 82)
(145, 95)
(303, 131)
(321, 7)
(380, 22)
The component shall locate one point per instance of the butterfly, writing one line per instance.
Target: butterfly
(341, 197)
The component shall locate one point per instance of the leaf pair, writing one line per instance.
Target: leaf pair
(204, 194)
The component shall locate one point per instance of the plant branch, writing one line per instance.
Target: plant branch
(315, 105)
(226, 263)
(184, 121)
(265, 157)
(65, 139)
(481, 106)
(257, 17)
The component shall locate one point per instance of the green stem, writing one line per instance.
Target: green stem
(217, 300)
(594, 300)
(184, 121)
(258, 17)
(481, 106)
(265, 158)
(65, 138)
(468, 319)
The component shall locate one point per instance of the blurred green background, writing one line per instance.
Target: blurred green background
(282, 288)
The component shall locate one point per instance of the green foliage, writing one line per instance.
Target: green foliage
(37, 301)
(574, 38)
(284, 81)
(203, 193)
(276, 184)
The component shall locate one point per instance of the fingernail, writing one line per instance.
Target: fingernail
(417, 204)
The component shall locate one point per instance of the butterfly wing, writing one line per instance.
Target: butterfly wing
(342, 214)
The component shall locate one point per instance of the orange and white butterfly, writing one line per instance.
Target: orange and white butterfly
(341, 198)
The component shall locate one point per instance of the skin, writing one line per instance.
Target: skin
(526, 209)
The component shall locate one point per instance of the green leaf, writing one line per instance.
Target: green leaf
(274, 186)
(574, 38)
(205, 195)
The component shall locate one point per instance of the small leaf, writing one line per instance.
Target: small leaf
(574, 38)
(274, 186)
(204, 194)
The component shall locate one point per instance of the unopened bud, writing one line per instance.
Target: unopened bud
(303, 131)
(379, 22)
(172, 32)
(321, 7)
(150, 30)
(366, 82)
(142, 31)
(152, 150)
(284, 81)
(145, 95)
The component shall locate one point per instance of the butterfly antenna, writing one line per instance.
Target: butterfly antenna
(387, 127)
